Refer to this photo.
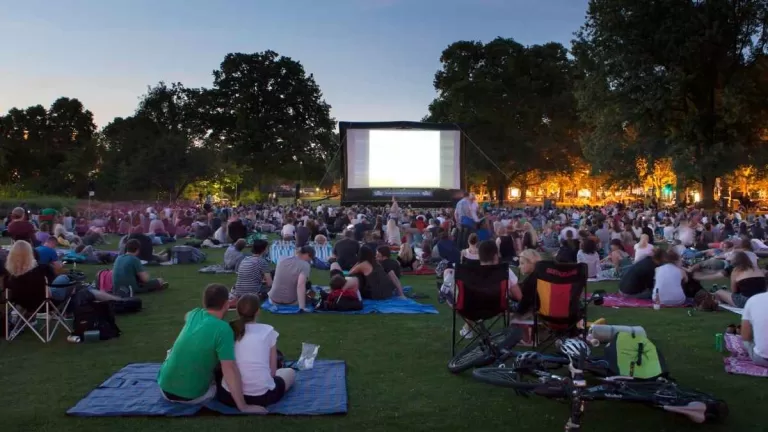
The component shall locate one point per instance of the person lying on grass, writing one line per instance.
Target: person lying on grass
(263, 382)
(188, 374)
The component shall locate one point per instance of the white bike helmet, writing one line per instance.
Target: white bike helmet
(574, 348)
(527, 360)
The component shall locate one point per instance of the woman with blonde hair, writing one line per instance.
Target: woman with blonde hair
(643, 248)
(523, 292)
(24, 278)
(393, 233)
(407, 258)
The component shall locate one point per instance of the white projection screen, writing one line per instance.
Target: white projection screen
(403, 158)
(408, 160)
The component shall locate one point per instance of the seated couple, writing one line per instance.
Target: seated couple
(374, 276)
(234, 362)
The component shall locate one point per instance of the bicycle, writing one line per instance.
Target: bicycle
(661, 393)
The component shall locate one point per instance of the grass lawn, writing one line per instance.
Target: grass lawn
(397, 376)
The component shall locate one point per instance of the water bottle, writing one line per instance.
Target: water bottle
(656, 300)
(73, 339)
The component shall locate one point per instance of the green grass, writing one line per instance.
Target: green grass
(397, 377)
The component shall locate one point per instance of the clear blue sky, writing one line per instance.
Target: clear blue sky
(373, 59)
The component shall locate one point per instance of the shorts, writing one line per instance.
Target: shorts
(210, 394)
(739, 300)
(269, 398)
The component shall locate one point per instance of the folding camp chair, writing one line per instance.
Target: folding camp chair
(561, 300)
(49, 311)
(480, 297)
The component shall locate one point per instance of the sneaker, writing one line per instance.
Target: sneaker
(466, 333)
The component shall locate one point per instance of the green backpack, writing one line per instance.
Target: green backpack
(630, 355)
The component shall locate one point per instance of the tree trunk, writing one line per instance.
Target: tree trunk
(708, 191)
(523, 191)
(680, 190)
(561, 194)
(502, 193)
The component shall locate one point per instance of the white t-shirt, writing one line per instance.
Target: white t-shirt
(756, 312)
(669, 233)
(642, 252)
(288, 230)
(591, 260)
(512, 278)
(669, 284)
(686, 235)
(252, 354)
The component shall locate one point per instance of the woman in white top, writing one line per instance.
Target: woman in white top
(588, 255)
(393, 233)
(289, 230)
(643, 248)
(669, 281)
(256, 357)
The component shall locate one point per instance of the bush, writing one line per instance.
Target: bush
(35, 203)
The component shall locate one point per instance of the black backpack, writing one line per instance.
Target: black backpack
(99, 316)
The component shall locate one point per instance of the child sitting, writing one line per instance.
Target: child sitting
(344, 296)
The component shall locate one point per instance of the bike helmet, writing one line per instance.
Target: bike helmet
(527, 360)
(574, 348)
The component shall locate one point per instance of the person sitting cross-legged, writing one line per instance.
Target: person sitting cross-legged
(128, 273)
(263, 382)
(188, 374)
(234, 255)
(291, 280)
(253, 276)
(754, 328)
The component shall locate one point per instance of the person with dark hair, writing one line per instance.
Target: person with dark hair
(345, 250)
(391, 267)
(371, 280)
(236, 229)
(589, 256)
(291, 281)
(253, 274)
(747, 280)
(128, 274)
(234, 255)
(264, 382)
(669, 280)
(638, 280)
(187, 375)
(616, 263)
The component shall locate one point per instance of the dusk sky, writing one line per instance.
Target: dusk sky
(373, 59)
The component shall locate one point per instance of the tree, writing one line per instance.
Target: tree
(515, 103)
(263, 110)
(50, 151)
(656, 174)
(687, 76)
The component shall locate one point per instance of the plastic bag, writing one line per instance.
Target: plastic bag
(308, 355)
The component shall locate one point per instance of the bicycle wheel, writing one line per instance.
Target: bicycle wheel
(669, 395)
(540, 382)
(481, 352)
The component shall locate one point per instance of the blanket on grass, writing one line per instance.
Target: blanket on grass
(619, 301)
(393, 305)
(133, 391)
(739, 362)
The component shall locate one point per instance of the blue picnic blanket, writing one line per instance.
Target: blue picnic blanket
(394, 305)
(133, 391)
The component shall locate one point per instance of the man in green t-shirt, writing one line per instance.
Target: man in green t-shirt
(187, 375)
(129, 272)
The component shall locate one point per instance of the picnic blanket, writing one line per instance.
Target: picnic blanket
(393, 305)
(739, 362)
(215, 269)
(594, 279)
(422, 271)
(733, 309)
(283, 249)
(133, 391)
(619, 301)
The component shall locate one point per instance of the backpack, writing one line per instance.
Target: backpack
(104, 280)
(187, 255)
(100, 316)
(340, 301)
(128, 305)
(635, 356)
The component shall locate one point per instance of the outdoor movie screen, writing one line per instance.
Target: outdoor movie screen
(403, 158)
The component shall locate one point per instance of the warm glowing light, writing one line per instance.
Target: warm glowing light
(514, 192)
(696, 197)
(585, 193)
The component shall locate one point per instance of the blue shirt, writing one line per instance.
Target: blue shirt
(46, 255)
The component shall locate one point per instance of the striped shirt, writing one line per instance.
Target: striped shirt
(250, 276)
